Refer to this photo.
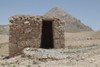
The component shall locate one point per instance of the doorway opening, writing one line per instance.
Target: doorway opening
(47, 35)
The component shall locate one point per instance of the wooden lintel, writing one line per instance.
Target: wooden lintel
(48, 19)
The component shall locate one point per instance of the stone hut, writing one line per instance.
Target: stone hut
(36, 32)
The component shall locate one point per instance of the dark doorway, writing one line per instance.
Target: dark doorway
(47, 35)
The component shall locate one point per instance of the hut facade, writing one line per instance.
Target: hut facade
(36, 32)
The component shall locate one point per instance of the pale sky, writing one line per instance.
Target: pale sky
(88, 11)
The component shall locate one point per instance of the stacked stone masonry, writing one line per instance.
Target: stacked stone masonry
(26, 30)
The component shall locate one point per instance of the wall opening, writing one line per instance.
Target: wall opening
(47, 35)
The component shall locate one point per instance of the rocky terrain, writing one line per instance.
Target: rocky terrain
(82, 50)
(71, 23)
(88, 59)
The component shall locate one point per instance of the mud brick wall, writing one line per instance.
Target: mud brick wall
(25, 31)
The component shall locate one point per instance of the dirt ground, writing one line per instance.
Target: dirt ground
(4, 38)
(82, 39)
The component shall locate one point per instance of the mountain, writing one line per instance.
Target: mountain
(71, 23)
(4, 29)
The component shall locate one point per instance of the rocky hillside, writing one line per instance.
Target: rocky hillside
(4, 29)
(72, 24)
(97, 35)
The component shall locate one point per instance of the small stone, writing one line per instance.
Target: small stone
(27, 49)
(26, 22)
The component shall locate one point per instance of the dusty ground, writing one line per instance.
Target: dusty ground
(81, 39)
(4, 38)
(74, 41)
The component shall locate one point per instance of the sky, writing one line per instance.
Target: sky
(88, 11)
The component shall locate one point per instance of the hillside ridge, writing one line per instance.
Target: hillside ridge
(71, 23)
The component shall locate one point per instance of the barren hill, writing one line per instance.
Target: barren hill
(97, 34)
(72, 24)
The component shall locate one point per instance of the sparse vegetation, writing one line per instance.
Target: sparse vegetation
(70, 52)
(17, 62)
(90, 47)
(34, 50)
(35, 62)
(77, 47)
(9, 65)
(2, 55)
(67, 52)
(28, 65)
(72, 47)
(14, 66)
(1, 44)
(94, 45)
